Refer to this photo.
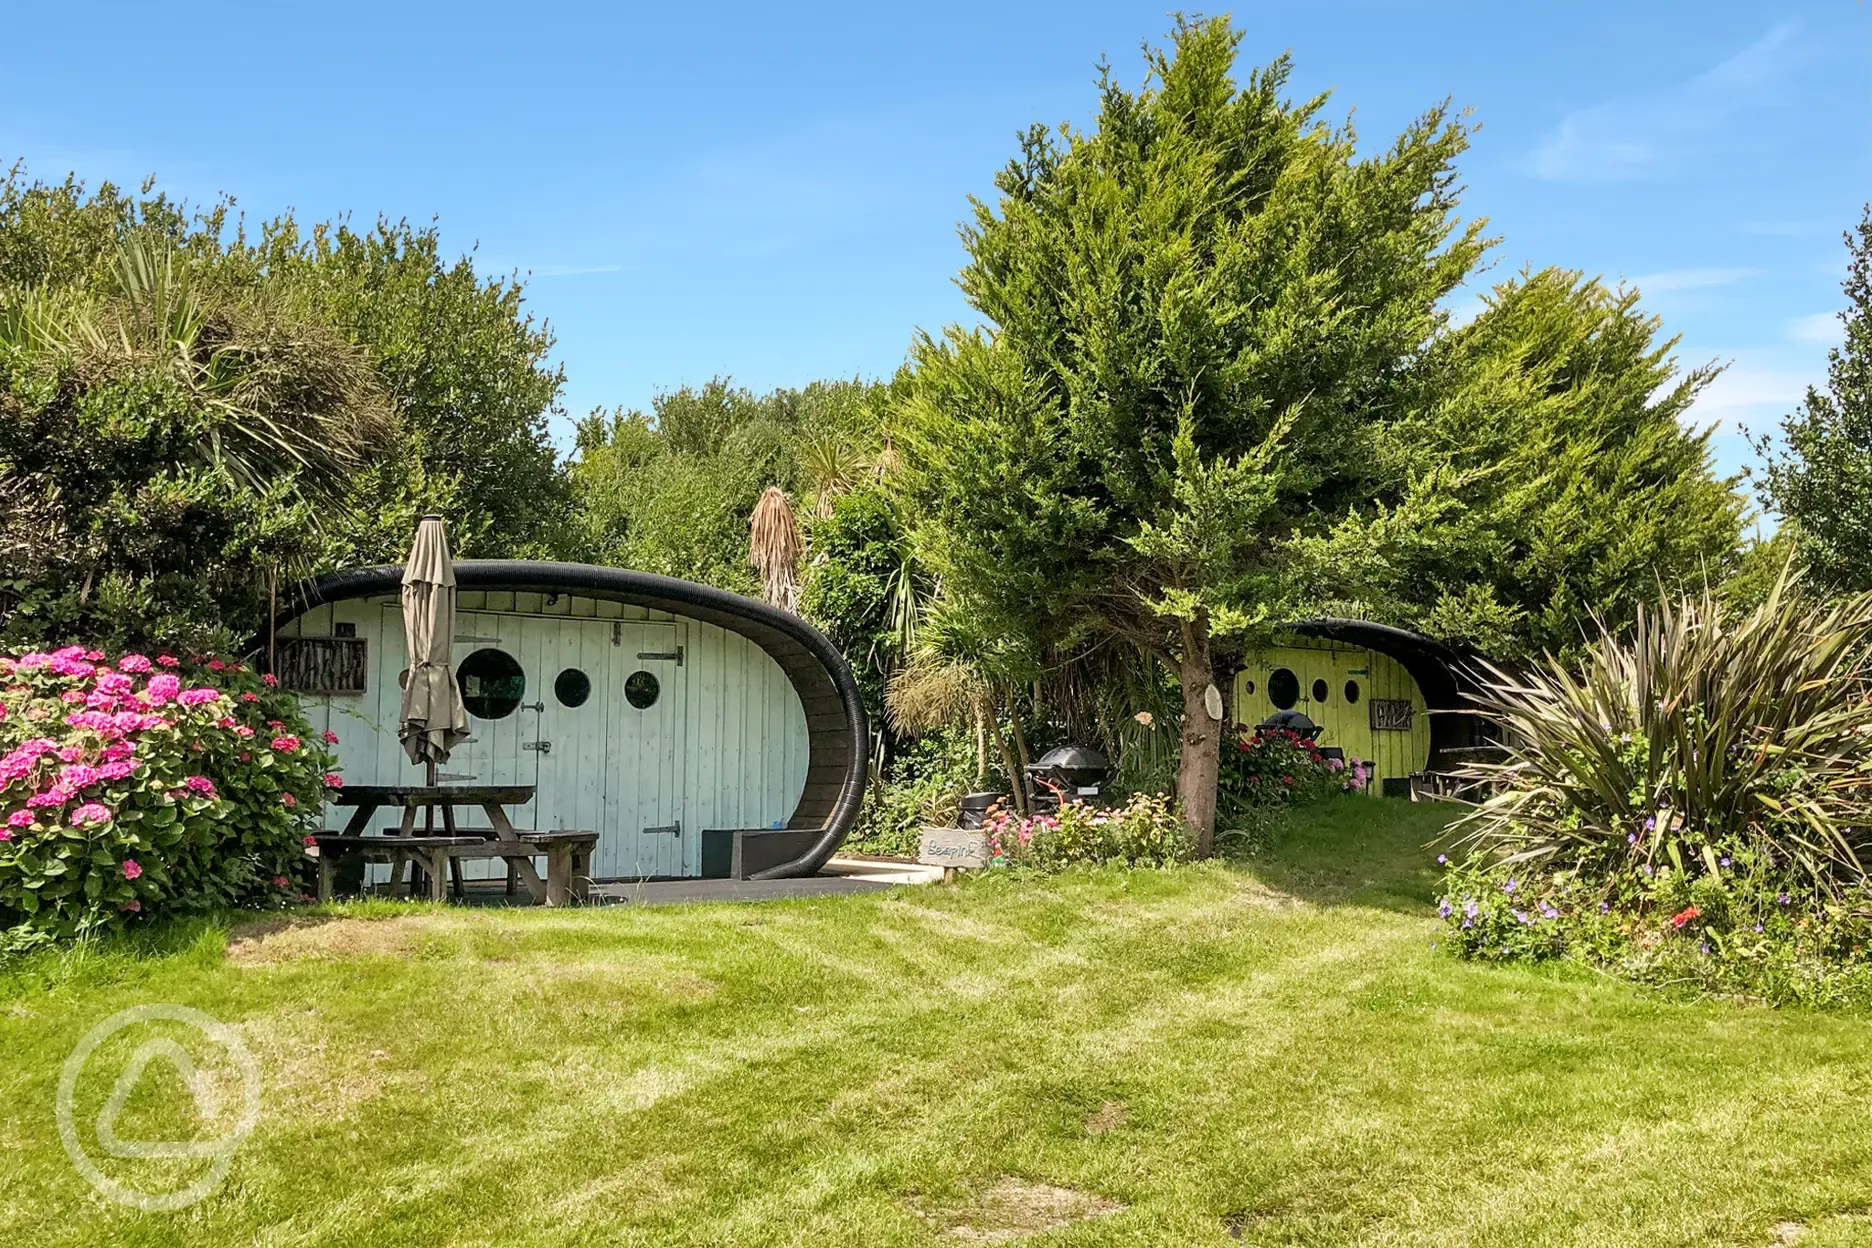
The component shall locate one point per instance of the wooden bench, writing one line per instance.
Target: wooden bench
(568, 860)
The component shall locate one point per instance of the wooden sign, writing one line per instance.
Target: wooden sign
(322, 664)
(953, 847)
(1391, 714)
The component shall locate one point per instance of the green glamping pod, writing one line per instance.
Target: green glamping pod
(1384, 695)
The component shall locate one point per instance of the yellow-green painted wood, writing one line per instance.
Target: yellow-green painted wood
(1345, 723)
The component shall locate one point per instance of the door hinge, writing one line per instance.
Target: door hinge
(676, 654)
(544, 747)
(668, 829)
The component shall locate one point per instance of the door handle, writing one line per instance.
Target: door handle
(544, 747)
(668, 829)
(531, 706)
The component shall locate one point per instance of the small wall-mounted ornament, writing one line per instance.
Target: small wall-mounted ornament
(1391, 714)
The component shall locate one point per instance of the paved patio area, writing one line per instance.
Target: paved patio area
(841, 875)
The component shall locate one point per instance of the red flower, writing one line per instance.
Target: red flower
(131, 869)
(1684, 916)
(280, 881)
(1286, 779)
(270, 680)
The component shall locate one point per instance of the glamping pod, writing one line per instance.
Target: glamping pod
(699, 732)
(1388, 696)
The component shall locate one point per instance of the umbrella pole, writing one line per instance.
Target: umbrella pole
(429, 774)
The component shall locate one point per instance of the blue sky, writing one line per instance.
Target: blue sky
(772, 192)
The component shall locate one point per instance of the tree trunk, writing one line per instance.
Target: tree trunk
(1200, 758)
(1015, 788)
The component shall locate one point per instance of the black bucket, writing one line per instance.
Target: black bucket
(975, 808)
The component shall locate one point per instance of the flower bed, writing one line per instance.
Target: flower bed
(142, 786)
(1147, 831)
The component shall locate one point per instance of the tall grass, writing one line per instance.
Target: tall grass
(1700, 728)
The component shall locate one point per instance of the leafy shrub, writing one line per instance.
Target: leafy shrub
(142, 787)
(924, 789)
(1279, 767)
(1147, 831)
(1691, 806)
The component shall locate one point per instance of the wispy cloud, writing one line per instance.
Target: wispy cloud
(1691, 279)
(1649, 135)
(1821, 328)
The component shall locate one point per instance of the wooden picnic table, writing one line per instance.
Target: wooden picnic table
(498, 840)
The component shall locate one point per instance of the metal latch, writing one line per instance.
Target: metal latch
(668, 829)
(544, 747)
(676, 654)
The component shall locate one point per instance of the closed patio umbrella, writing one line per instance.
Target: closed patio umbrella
(433, 720)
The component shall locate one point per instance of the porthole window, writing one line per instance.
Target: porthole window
(1283, 688)
(641, 690)
(1351, 691)
(1320, 690)
(492, 683)
(1248, 687)
(572, 688)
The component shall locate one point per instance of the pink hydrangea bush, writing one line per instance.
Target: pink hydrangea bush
(138, 786)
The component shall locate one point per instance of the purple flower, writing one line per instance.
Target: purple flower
(1650, 825)
(1509, 887)
(1443, 910)
(1548, 912)
(1605, 907)
(1468, 923)
(1723, 861)
(1469, 909)
(1631, 838)
(1645, 869)
(1521, 916)
(1702, 946)
(1758, 927)
(1782, 900)
(1442, 860)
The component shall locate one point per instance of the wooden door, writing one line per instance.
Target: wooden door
(645, 696)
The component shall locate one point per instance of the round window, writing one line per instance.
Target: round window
(1320, 690)
(1283, 688)
(1248, 687)
(491, 682)
(1351, 691)
(641, 690)
(572, 687)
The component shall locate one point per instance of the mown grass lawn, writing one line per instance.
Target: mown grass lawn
(1266, 1055)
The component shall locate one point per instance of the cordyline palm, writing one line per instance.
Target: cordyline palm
(1698, 726)
(275, 398)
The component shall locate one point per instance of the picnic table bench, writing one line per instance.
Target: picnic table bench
(438, 857)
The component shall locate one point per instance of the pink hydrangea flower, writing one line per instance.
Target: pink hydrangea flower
(331, 738)
(200, 784)
(117, 769)
(288, 800)
(280, 881)
(166, 685)
(76, 776)
(270, 680)
(333, 780)
(90, 815)
(133, 905)
(115, 683)
(20, 819)
(168, 660)
(96, 656)
(5, 835)
(250, 696)
(134, 663)
(311, 840)
(118, 750)
(216, 665)
(197, 697)
(49, 797)
(73, 697)
(242, 730)
(131, 869)
(286, 744)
